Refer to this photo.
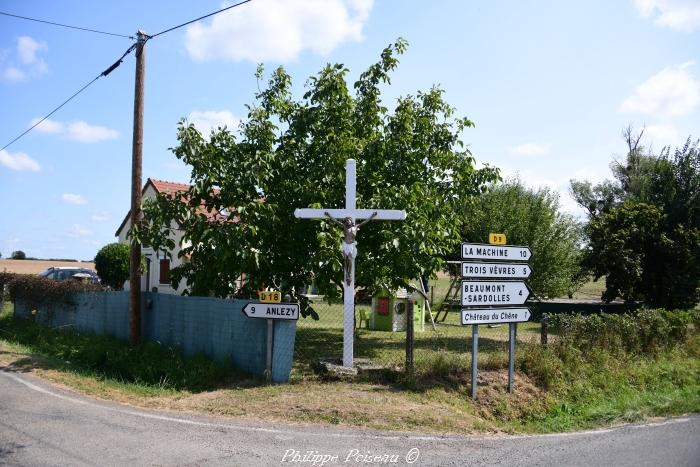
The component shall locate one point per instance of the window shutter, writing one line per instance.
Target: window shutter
(164, 271)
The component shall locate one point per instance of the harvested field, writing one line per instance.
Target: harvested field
(30, 266)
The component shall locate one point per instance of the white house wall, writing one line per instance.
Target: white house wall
(154, 272)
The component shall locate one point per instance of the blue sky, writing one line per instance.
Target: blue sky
(549, 84)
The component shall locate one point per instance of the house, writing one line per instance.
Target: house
(158, 263)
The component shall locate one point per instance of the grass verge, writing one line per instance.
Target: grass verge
(557, 388)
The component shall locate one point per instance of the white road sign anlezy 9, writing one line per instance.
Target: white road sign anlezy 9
(485, 293)
(495, 252)
(497, 270)
(495, 315)
(272, 310)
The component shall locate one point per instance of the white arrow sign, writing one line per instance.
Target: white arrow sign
(499, 270)
(495, 252)
(484, 293)
(495, 315)
(272, 310)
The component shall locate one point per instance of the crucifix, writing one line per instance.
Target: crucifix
(347, 218)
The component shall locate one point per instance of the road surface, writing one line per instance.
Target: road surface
(43, 425)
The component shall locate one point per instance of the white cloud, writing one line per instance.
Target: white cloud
(278, 30)
(79, 131)
(661, 135)
(47, 126)
(25, 62)
(18, 161)
(683, 15)
(530, 149)
(672, 92)
(78, 231)
(27, 49)
(71, 198)
(101, 216)
(85, 133)
(208, 120)
(12, 74)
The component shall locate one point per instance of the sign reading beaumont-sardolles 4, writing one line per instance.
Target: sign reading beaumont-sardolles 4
(495, 252)
(497, 270)
(272, 310)
(495, 315)
(487, 293)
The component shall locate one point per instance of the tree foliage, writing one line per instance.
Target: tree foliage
(19, 254)
(531, 217)
(112, 264)
(290, 153)
(644, 226)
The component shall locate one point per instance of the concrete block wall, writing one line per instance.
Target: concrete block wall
(212, 326)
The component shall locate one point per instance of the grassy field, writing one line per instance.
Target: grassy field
(323, 338)
(28, 266)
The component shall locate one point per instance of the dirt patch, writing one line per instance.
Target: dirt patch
(30, 266)
(494, 401)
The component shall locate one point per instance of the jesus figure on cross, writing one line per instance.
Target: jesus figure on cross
(349, 244)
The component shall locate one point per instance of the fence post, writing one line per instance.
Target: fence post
(409, 337)
(544, 329)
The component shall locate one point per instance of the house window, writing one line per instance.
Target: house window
(165, 271)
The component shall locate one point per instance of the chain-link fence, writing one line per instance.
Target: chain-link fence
(440, 339)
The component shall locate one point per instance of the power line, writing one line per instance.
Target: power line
(114, 65)
(66, 25)
(104, 73)
(200, 18)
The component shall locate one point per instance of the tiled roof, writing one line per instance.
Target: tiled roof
(164, 186)
(171, 188)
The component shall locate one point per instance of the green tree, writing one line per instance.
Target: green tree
(531, 217)
(646, 238)
(291, 153)
(112, 264)
(19, 254)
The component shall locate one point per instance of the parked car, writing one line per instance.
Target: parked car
(63, 273)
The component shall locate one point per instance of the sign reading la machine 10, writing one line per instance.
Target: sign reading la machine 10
(502, 289)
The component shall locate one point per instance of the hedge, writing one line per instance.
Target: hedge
(643, 332)
(37, 290)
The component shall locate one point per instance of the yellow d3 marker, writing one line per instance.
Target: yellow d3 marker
(497, 238)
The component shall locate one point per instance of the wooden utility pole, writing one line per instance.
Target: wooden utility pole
(136, 158)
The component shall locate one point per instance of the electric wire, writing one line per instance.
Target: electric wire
(104, 73)
(200, 18)
(115, 64)
(66, 25)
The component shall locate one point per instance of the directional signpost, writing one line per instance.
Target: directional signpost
(271, 312)
(495, 252)
(488, 293)
(499, 270)
(491, 301)
(500, 315)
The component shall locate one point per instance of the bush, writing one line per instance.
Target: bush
(112, 264)
(36, 290)
(5, 278)
(644, 332)
(19, 254)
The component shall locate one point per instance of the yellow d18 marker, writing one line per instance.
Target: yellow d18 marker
(497, 239)
(270, 296)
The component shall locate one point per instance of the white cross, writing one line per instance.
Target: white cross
(355, 214)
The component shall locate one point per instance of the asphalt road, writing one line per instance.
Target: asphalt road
(42, 425)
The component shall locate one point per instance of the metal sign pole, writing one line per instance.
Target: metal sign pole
(475, 356)
(268, 360)
(511, 355)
